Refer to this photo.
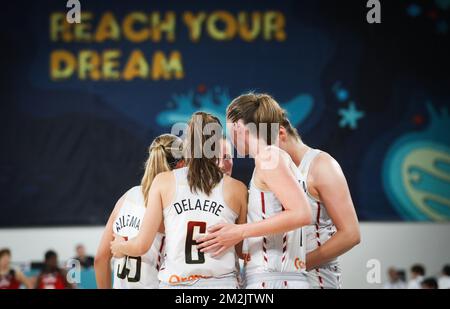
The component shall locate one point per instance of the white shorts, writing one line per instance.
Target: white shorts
(226, 283)
(276, 281)
(325, 277)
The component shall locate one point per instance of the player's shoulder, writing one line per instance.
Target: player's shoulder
(325, 164)
(133, 191)
(163, 177)
(164, 180)
(324, 158)
(134, 195)
(234, 183)
(271, 156)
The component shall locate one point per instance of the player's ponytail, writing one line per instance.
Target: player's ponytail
(202, 152)
(164, 154)
(260, 108)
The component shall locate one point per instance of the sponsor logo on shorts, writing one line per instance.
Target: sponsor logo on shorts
(175, 279)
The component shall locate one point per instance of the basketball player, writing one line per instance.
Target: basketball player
(277, 208)
(189, 200)
(334, 228)
(140, 271)
(51, 276)
(11, 278)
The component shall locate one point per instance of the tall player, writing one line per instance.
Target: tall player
(137, 271)
(189, 200)
(11, 278)
(334, 228)
(277, 208)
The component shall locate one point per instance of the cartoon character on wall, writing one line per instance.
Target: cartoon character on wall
(416, 171)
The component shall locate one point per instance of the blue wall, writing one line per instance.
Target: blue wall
(375, 96)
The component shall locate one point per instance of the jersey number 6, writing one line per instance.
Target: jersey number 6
(190, 241)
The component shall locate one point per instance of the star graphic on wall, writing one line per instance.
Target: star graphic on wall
(350, 116)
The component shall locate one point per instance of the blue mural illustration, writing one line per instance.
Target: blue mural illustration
(86, 101)
(215, 101)
(416, 171)
(435, 11)
(350, 116)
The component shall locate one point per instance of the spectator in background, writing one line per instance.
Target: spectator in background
(444, 280)
(11, 278)
(429, 283)
(52, 277)
(402, 276)
(417, 275)
(86, 261)
(395, 280)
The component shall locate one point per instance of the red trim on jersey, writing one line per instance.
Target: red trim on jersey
(263, 203)
(318, 242)
(320, 278)
(263, 209)
(317, 224)
(284, 247)
(284, 241)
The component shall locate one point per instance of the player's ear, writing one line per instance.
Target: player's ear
(282, 134)
(239, 125)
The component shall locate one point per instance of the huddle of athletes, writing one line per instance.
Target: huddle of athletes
(189, 222)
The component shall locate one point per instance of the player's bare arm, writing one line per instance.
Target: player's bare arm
(328, 183)
(280, 180)
(151, 223)
(103, 256)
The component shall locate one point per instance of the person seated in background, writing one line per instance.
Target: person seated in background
(429, 283)
(417, 275)
(86, 261)
(444, 280)
(11, 278)
(51, 276)
(395, 280)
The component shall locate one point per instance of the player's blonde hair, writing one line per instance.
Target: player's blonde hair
(163, 155)
(203, 172)
(260, 108)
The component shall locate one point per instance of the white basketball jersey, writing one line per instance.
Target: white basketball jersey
(136, 272)
(322, 227)
(189, 215)
(280, 253)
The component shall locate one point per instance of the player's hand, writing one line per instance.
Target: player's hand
(115, 246)
(221, 237)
